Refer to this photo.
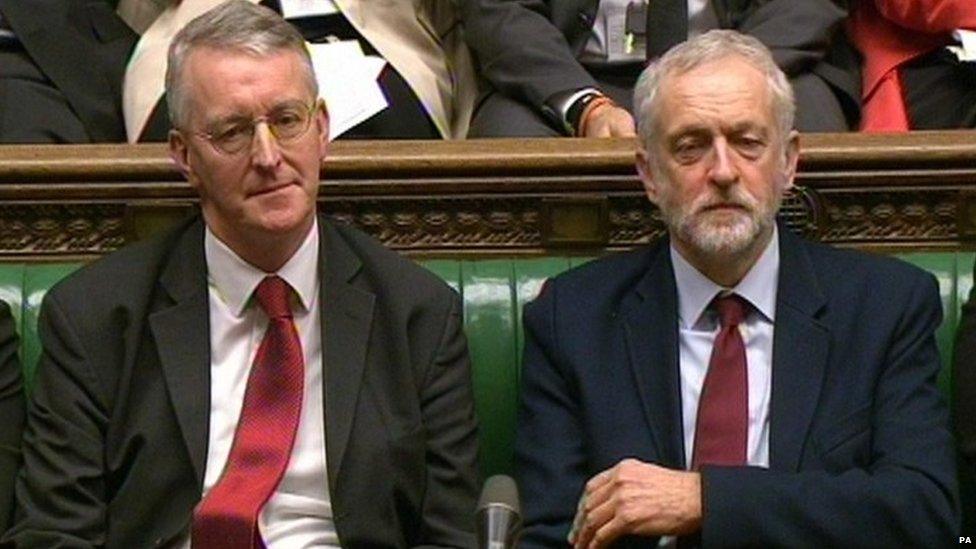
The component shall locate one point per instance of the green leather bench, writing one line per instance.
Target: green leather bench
(493, 292)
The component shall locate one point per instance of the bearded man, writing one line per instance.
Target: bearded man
(732, 384)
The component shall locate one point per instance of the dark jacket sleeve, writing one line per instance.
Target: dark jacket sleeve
(11, 412)
(522, 52)
(447, 405)
(551, 474)
(964, 380)
(61, 502)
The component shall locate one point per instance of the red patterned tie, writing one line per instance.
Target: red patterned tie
(723, 408)
(228, 516)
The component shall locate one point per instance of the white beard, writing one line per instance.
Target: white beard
(728, 233)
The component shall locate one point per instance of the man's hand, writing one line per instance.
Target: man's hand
(636, 498)
(608, 120)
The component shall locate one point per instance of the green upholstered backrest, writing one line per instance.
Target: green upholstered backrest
(493, 292)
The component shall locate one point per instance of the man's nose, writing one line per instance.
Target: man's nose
(265, 151)
(723, 170)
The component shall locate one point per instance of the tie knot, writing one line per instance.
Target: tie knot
(272, 294)
(731, 309)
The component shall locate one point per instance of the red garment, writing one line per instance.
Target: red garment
(889, 33)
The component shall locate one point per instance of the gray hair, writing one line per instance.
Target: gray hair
(238, 26)
(708, 47)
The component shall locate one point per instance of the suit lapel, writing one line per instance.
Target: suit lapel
(800, 351)
(650, 328)
(347, 314)
(181, 332)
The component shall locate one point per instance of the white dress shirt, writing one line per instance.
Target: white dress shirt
(299, 513)
(698, 327)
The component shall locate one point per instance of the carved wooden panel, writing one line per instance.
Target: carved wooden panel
(497, 196)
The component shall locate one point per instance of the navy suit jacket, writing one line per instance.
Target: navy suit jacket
(860, 453)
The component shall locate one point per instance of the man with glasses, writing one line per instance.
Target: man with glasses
(256, 377)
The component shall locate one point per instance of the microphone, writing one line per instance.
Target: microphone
(498, 516)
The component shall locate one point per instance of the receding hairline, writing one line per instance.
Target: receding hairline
(189, 89)
(669, 77)
(715, 46)
(235, 26)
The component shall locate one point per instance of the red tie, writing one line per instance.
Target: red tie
(723, 407)
(228, 516)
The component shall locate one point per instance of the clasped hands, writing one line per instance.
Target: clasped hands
(636, 498)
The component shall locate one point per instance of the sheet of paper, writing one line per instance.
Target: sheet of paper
(293, 9)
(967, 50)
(347, 82)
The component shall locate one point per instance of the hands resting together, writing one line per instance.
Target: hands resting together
(636, 498)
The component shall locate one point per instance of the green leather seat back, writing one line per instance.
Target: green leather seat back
(493, 292)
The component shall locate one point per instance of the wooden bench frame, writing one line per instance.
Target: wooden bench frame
(497, 197)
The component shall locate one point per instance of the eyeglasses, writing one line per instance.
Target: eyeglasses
(286, 122)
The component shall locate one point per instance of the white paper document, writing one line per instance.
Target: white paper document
(293, 9)
(967, 50)
(347, 83)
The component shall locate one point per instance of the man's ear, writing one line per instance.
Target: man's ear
(646, 174)
(321, 117)
(791, 157)
(180, 154)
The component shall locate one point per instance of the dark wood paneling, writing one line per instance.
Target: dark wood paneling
(496, 197)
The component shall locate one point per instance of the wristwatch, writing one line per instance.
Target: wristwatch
(565, 108)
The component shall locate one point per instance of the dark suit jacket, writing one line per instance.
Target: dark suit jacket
(11, 413)
(527, 48)
(82, 46)
(116, 441)
(964, 379)
(860, 453)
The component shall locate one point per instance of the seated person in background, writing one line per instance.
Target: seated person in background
(552, 62)
(428, 79)
(919, 70)
(257, 375)
(11, 413)
(732, 381)
(61, 67)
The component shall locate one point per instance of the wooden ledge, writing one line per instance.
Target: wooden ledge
(509, 196)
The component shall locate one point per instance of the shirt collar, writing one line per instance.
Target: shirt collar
(758, 287)
(235, 279)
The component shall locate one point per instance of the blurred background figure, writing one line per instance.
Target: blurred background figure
(426, 85)
(553, 64)
(61, 67)
(919, 69)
